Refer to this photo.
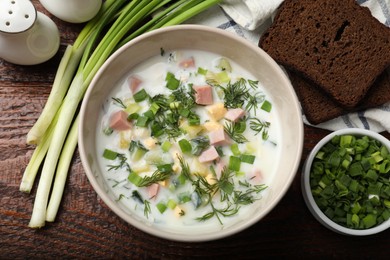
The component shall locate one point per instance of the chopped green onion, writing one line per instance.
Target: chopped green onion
(142, 121)
(184, 198)
(266, 106)
(156, 129)
(202, 71)
(171, 204)
(161, 207)
(224, 65)
(149, 114)
(172, 82)
(369, 221)
(349, 181)
(165, 168)
(134, 178)
(235, 150)
(185, 146)
(246, 158)
(133, 116)
(166, 146)
(140, 95)
(109, 154)
(234, 163)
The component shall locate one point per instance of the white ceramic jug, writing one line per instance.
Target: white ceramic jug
(27, 37)
(73, 11)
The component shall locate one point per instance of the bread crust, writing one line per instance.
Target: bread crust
(336, 44)
(318, 107)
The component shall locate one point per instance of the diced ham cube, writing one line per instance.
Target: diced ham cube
(187, 63)
(118, 121)
(153, 190)
(234, 114)
(219, 137)
(219, 168)
(208, 155)
(203, 95)
(134, 83)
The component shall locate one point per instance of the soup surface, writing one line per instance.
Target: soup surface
(189, 139)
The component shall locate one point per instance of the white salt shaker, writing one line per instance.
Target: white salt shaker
(27, 37)
(73, 11)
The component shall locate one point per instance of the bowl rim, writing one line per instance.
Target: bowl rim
(174, 236)
(306, 190)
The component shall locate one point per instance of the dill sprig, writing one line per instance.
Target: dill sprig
(235, 131)
(241, 94)
(147, 209)
(260, 127)
(254, 101)
(161, 101)
(225, 184)
(122, 163)
(156, 176)
(136, 145)
(137, 197)
(235, 94)
(119, 102)
(178, 105)
(228, 211)
(246, 197)
(185, 95)
(254, 84)
(232, 198)
(116, 183)
(199, 144)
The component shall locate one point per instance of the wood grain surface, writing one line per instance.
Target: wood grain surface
(85, 228)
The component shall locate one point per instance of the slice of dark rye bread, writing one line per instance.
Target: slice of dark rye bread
(337, 44)
(319, 108)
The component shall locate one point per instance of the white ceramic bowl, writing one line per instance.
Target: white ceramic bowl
(306, 189)
(196, 37)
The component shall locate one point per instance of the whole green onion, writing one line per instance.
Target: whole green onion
(118, 22)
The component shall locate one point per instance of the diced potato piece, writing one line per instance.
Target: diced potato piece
(157, 157)
(150, 143)
(197, 167)
(140, 167)
(191, 130)
(216, 111)
(212, 126)
(164, 183)
(140, 132)
(250, 148)
(125, 139)
(132, 107)
(224, 65)
(211, 179)
(179, 212)
(176, 168)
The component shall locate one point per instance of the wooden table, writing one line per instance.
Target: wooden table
(86, 228)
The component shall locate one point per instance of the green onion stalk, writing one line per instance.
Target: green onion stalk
(55, 132)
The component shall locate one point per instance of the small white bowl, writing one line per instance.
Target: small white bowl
(306, 189)
(226, 44)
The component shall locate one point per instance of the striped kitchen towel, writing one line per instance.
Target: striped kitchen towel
(250, 18)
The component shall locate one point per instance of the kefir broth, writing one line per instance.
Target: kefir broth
(181, 212)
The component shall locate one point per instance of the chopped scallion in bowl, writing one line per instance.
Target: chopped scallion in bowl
(346, 182)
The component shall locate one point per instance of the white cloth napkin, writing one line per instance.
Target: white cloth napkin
(250, 18)
(250, 13)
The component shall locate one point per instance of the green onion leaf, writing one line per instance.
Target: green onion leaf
(109, 154)
(140, 96)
